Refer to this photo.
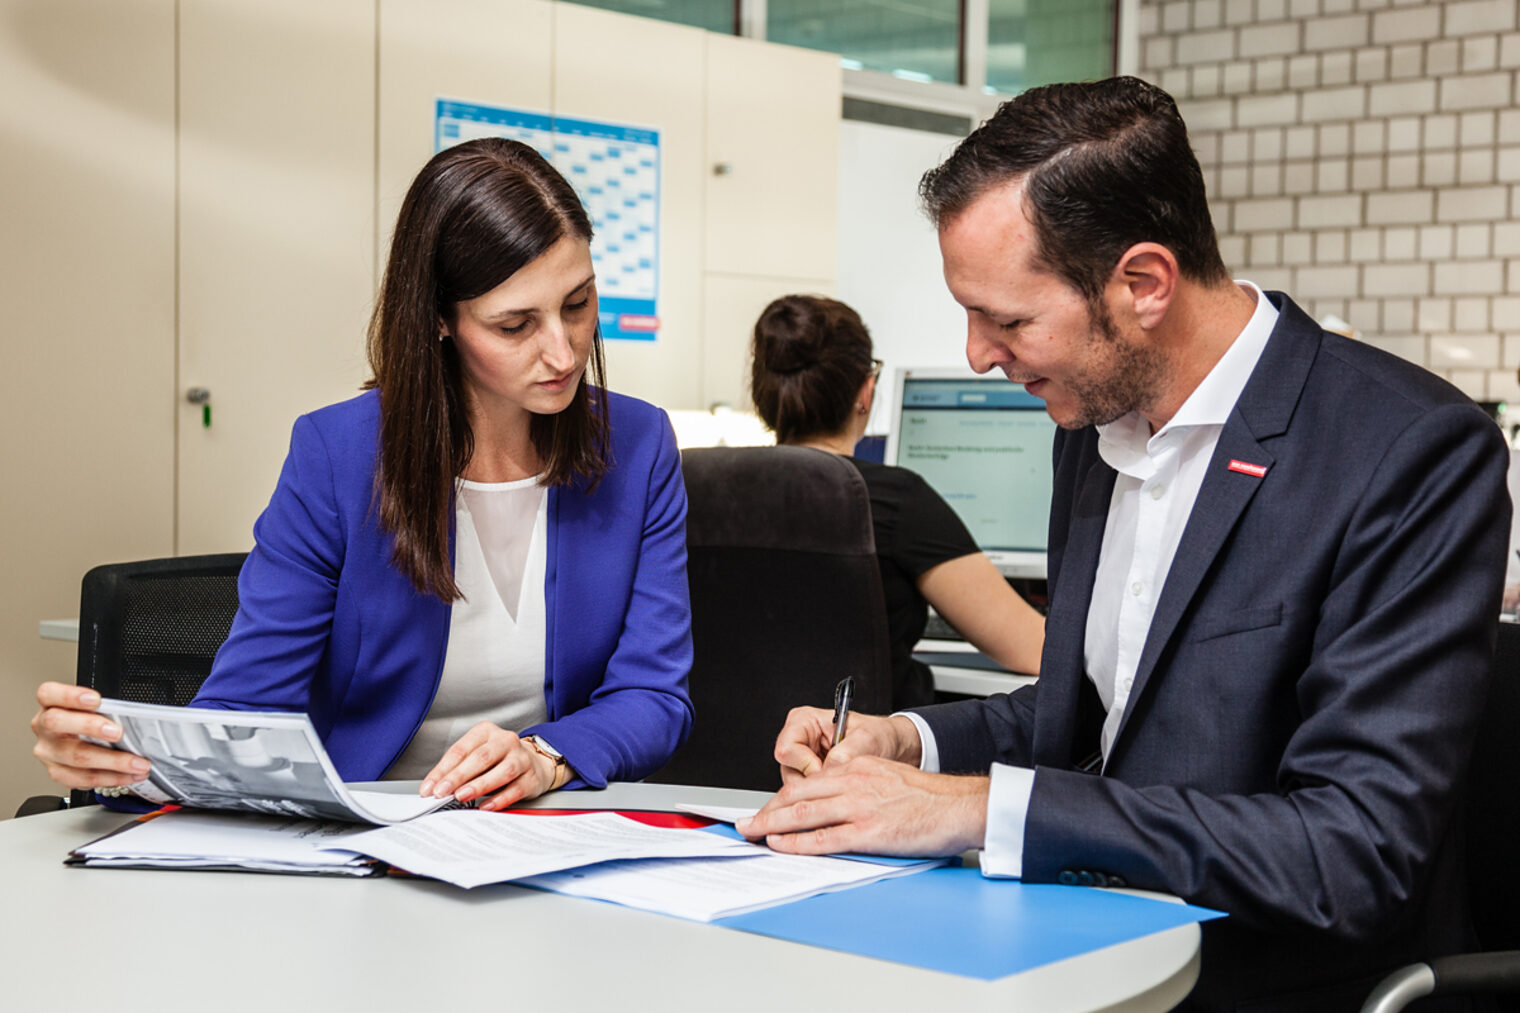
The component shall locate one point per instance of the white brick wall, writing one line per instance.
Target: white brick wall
(1363, 155)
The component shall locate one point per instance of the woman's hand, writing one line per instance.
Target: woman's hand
(66, 713)
(486, 760)
(806, 743)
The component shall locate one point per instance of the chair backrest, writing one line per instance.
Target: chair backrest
(148, 630)
(786, 600)
(1492, 821)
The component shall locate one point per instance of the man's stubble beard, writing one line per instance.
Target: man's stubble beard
(1131, 374)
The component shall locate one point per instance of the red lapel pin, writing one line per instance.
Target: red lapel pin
(1246, 468)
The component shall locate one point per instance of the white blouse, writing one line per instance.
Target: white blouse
(493, 667)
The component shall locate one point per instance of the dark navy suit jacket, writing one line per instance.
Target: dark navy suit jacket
(328, 626)
(1301, 720)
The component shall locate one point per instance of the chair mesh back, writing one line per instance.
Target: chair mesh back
(149, 630)
(786, 600)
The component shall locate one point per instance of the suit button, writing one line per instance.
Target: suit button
(1085, 878)
(1099, 879)
(1117, 882)
(1067, 878)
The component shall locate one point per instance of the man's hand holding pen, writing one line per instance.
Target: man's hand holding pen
(806, 744)
(865, 793)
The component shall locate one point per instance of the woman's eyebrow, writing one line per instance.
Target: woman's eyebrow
(504, 314)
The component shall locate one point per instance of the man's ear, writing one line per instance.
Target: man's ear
(1146, 278)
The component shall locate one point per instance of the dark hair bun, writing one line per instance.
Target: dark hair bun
(811, 355)
(788, 337)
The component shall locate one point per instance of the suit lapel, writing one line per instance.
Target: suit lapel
(1262, 413)
(1066, 626)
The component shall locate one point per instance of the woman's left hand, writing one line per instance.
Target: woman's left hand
(486, 760)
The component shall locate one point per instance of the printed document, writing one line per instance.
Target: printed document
(257, 761)
(472, 848)
(711, 888)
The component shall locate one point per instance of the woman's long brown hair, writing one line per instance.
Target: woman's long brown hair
(475, 215)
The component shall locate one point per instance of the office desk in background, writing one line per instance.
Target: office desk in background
(59, 629)
(958, 667)
(225, 942)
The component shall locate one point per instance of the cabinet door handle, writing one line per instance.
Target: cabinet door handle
(202, 397)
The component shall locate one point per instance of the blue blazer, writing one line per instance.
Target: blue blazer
(326, 625)
(1302, 716)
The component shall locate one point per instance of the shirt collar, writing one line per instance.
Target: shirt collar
(1211, 402)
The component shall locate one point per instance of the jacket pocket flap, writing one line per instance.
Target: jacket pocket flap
(1223, 624)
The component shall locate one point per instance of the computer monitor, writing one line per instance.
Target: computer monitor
(984, 445)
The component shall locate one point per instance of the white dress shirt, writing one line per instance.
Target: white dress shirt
(1158, 481)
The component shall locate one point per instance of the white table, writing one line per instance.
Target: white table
(133, 940)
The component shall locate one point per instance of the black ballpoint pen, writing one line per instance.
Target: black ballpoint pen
(842, 694)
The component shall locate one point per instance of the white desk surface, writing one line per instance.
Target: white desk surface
(169, 941)
(949, 678)
(59, 629)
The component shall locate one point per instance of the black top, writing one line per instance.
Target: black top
(915, 531)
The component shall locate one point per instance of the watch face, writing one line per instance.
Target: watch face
(546, 748)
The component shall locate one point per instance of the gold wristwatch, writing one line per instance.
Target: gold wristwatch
(561, 765)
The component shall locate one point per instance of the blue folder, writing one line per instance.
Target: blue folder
(957, 921)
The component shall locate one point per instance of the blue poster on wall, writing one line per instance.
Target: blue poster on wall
(616, 171)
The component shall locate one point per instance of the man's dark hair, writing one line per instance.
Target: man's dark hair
(1105, 165)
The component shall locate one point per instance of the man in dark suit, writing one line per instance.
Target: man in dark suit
(1275, 569)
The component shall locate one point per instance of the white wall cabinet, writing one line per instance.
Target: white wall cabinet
(772, 193)
(276, 241)
(87, 264)
(201, 195)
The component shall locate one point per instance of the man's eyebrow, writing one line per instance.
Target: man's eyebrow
(993, 313)
(504, 314)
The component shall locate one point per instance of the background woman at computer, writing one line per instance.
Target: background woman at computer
(474, 572)
(812, 380)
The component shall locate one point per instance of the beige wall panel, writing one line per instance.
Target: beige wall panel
(87, 282)
(649, 73)
(732, 303)
(277, 113)
(494, 51)
(773, 121)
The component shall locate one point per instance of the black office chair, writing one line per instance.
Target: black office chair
(1491, 821)
(148, 631)
(785, 599)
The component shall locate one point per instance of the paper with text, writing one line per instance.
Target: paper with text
(706, 889)
(472, 849)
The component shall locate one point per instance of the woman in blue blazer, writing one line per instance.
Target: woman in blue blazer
(474, 572)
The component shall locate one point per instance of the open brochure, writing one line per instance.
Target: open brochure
(255, 761)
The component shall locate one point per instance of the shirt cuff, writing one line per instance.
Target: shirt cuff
(1007, 811)
(928, 760)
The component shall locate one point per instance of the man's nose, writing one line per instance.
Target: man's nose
(982, 351)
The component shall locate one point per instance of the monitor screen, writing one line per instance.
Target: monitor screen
(984, 445)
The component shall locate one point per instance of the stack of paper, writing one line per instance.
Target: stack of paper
(184, 839)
